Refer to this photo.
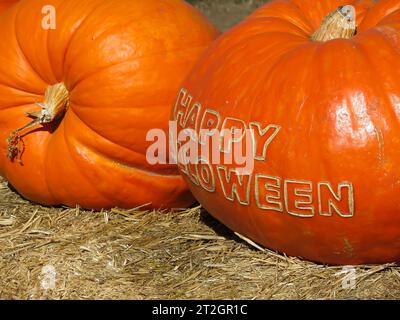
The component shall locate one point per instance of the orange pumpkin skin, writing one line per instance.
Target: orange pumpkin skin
(5, 4)
(337, 106)
(122, 62)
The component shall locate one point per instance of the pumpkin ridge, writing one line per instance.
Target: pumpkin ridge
(76, 166)
(54, 200)
(233, 49)
(51, 66)
(383, 32)
(108, 140)
(71, 38)
(77, 171)
(274, 68)
(18, 41)
(95, 131)
(303, 14)
(34, 96)
(38, 94)
(104, 194)
(273, 19)
(130, 60)
(23, 105)
(130, 167)
(275, 64)
(374, 10)
(386, 20)
(109, 31)
(378, 82)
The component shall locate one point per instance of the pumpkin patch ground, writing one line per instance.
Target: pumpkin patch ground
(63, 253)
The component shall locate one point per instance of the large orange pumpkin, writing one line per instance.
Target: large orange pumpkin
(93, 76)
(321, 92)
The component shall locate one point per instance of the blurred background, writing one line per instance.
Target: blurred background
(227, 13)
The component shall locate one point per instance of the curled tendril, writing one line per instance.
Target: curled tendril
(15, 147)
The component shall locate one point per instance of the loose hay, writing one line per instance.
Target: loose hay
(149, 255)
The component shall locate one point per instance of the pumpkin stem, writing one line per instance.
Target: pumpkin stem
(56, 100)
(340, 24)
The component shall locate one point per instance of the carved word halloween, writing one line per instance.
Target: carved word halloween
(274, 194)
(301, 198)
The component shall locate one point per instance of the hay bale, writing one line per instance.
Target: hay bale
(137, 254)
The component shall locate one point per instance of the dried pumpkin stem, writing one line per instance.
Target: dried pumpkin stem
(340, 24)
(56, 100)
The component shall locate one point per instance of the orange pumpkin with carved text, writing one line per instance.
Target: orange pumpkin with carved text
(81, 84)
(318, 82)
